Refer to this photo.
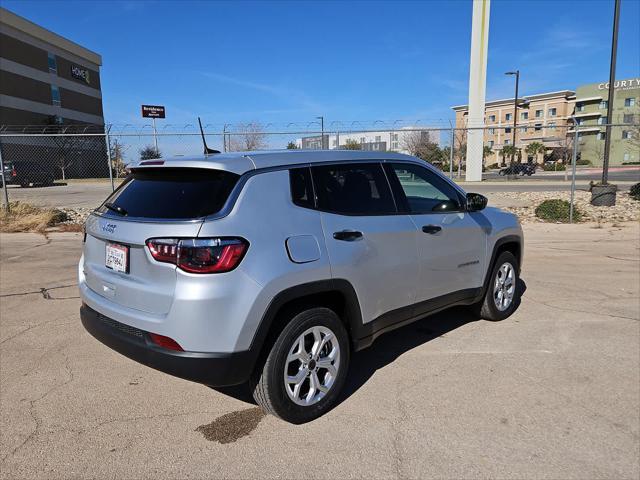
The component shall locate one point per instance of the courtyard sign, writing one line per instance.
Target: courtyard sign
(621, 84)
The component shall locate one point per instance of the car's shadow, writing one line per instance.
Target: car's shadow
(388, 347)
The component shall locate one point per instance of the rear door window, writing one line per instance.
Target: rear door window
(353, 189)
(171, 193)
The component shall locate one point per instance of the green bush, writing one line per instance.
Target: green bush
(583, 162)
(631, 163)
(493, 166)
(634, 191)
(556, 210)
(554, 167)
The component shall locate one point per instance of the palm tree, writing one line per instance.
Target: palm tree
(508, 151)
(534, 148)
(486, 151)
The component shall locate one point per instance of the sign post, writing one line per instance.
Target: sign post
(153, 112)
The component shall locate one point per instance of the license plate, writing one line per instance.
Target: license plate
(117, 257)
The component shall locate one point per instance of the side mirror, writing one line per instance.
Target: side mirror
(476, 202)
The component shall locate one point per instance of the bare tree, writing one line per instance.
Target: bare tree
(634, 128)
(251, 137)
(117, 157)
(420, 145)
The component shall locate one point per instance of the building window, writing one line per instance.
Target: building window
(53, 65)
(601, 135)
(335, 143)
(507, 130)
(627, 118)
(524, 116)
(601, 121)
(492, 118)
(553, 112)
(394, 137)
(538, 113)
(378, 138)
(490, 143)
(507, 117)
(492, 131)
(580, 121)
(55, 96)
(629, 102)
(523, 129)
(538, 127)
(604, 104)
(507, 141)
(394, 145)
(625, 157)
(363, 139)
(551, 126)
(579, 107)
(626, 134)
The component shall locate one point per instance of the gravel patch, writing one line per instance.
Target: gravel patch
(626, 209)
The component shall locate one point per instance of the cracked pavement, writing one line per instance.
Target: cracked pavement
(552, 392)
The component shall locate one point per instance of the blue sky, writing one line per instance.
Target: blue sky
(281, 62)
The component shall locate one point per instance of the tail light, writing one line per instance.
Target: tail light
(199, 255)
(13, 172)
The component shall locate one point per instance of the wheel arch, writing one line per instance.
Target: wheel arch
(508, 243)
(336, 294)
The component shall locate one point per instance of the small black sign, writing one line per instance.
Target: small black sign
(153, 111)
(80, 73)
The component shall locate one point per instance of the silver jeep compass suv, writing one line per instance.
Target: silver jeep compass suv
(268, 269)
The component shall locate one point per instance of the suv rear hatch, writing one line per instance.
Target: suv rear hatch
(162, 202)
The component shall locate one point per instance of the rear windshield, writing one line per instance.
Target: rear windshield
(171, 193)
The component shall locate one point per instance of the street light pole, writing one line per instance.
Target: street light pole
(322, 130)
(515, 114)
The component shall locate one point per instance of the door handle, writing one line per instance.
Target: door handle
(347, 235)
(431, 229)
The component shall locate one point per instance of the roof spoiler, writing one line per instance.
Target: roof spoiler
(207, 150)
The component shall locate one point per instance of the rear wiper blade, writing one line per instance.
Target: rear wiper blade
(116, 208)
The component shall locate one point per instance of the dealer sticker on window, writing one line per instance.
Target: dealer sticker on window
(117, 257)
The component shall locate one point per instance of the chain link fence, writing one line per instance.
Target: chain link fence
(86, 163)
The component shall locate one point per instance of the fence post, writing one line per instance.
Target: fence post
(573, 170)
(4, 182)
(106, 137)
(453, 142)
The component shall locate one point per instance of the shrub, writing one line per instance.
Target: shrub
(631, 163)
(493, 166)
(556, 210)
(634, 191)
(584, 161)
(554, 167)
(23, 217)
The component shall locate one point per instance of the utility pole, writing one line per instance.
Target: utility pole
(612, 80)
(477, 89)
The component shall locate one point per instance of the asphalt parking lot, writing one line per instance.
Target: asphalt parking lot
(552, 392)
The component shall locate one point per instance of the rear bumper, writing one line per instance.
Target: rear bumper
(213, 369)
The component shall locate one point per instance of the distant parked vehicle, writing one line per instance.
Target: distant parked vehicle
(27, 174)
(519, 169)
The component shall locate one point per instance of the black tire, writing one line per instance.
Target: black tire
(487, 308)
(268, 384)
